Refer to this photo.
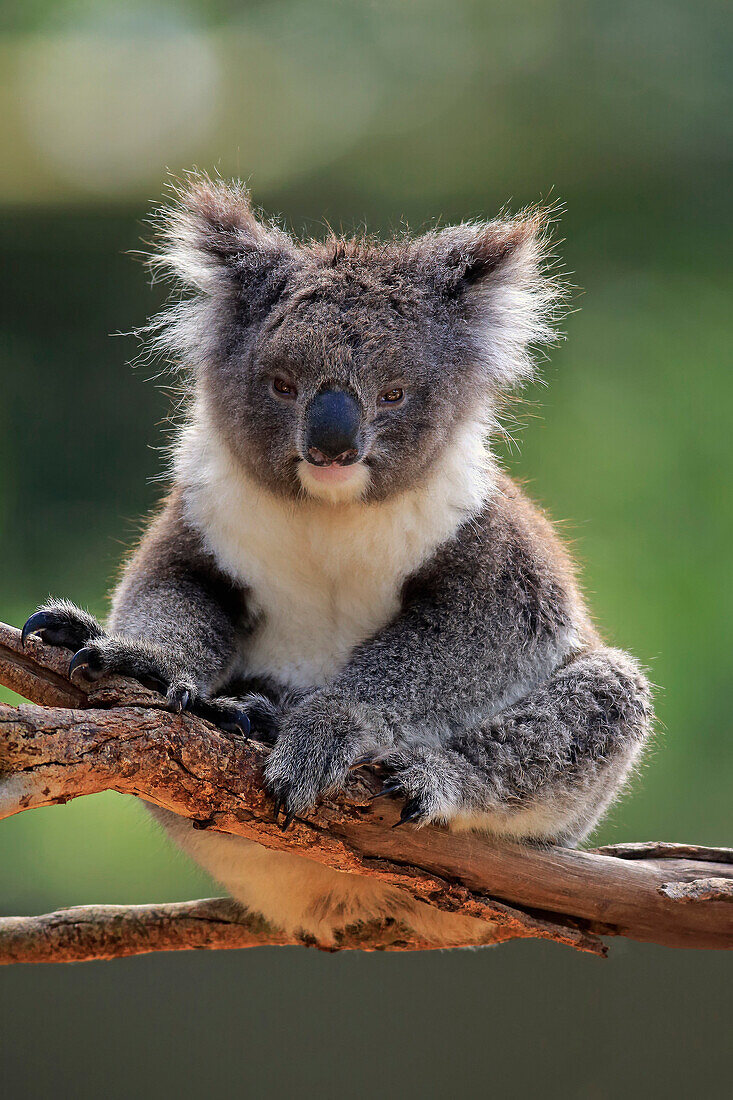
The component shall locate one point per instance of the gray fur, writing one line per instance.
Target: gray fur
(486, 692)
(435, 694)
(457, 310)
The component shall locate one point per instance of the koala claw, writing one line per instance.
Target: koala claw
(179, 698)
(235, 716)
(411, 811)
(289, 815)
(35, 624)
(388, 789)
(238, 724)
(88, 661)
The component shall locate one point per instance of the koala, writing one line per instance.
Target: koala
(342, 569)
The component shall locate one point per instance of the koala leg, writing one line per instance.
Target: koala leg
(545, 767)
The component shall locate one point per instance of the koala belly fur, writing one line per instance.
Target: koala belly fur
(322, 579)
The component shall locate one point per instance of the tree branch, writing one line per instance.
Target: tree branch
(117, 931)
(117, 736)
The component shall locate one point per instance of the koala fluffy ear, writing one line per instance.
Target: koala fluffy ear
(209, 241)
(496, 275)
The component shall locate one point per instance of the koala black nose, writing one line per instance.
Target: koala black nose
(332, 428)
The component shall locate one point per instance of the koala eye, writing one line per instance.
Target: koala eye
(284, 388)
(393, 396)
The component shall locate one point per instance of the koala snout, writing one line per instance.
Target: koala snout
(332, 428)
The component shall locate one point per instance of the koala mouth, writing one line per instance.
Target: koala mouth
(332, 469)
(334, 482)
(345, 458)
(333, 473)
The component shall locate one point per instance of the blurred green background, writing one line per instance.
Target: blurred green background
(380, 112)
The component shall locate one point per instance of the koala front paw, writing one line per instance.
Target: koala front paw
(61, 623)
(319, 741)
(148, 663)
(112, 655)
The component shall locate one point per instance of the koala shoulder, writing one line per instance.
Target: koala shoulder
(509, 559)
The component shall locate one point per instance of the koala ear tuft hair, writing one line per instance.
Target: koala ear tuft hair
(497, 275)
(209, 241)
(209, 237)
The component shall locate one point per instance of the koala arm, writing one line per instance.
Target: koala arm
(177, 604)
(174, 621)
(479, 623)
(490, 690)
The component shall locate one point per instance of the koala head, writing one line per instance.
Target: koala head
(343, 369)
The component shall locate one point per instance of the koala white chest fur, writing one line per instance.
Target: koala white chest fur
(322, 578)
